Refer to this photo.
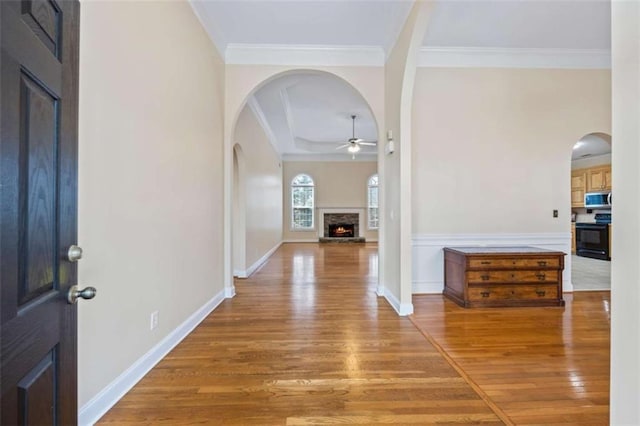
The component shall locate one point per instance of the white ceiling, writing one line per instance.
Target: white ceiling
(591, 145)
(300, 112)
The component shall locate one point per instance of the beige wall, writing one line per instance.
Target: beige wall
(338, 184)
(492, 147)
(150, 179)
(262, 181)
(625, 269)
(395, 169)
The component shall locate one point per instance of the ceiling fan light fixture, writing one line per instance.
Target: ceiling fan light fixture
(354, 148)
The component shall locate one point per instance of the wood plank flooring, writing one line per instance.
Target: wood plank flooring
(305, 341)
(537, 365)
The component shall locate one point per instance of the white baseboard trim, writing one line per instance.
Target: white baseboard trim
(229, 292)
(239, 273)
(428, 256)
(403, 309)
(95, 408)
(251, 269)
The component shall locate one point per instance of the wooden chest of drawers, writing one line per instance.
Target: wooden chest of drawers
(503, 276)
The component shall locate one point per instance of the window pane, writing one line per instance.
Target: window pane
(302, 180)
(372, 202)
(302, 203)
(302, 218)
(302, 196)
(373, 218)
(373, 197)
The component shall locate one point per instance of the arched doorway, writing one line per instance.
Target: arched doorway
(254, 101)
(591, 213)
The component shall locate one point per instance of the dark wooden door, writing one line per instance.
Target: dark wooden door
(38, 204)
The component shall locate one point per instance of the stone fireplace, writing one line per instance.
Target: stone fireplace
(350, 220)
(340, 225)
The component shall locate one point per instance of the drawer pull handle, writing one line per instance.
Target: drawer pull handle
(484, 293)
(540, 293)
(542, 263)
(484, 277)
(541, 277)
(485, 262)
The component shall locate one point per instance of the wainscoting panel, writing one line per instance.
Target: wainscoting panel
(428, 257)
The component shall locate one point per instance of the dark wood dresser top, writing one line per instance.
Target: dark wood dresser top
(502, 249)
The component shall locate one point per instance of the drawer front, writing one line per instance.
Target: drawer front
(539, 262)
(512, 276)
(513, 292)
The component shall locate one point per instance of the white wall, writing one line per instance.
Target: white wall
(338, 184)
(625, 269)
(263, 190)
(491, 157)
(150, 181)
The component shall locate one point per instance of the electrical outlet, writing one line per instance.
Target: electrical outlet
(154, 320)
(555, 213)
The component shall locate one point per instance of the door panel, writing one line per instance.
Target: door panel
(37, 393)
(38, 210)
(38, 164)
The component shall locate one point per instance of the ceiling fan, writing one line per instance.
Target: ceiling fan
(353, 144)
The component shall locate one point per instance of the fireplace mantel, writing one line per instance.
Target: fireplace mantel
(340, 210)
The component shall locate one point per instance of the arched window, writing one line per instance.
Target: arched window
(302, 202)
(372, 202)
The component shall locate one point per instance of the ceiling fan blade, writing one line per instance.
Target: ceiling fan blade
(343, 146)
(368, 143)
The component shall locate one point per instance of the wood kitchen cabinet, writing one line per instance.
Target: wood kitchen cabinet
(573, 239)
(578, 187)
(503, 276)
(599, 179)
(594, 179)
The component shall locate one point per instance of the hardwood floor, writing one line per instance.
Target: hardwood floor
(307, 341)
(537, 365)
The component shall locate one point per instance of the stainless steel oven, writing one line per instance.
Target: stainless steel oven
(592, 240)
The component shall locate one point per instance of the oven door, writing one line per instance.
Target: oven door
(592, 240)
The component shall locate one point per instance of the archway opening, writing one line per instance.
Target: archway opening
(307, 116)
(591, 199)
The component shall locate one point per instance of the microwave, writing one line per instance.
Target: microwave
(597, 200)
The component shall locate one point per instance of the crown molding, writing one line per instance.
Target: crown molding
(304, 55)
(481, 57)
(329, 157)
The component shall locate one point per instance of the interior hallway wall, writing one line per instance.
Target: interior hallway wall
(492, 158)
(150, 180)
(263, 189)
(625, 269)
